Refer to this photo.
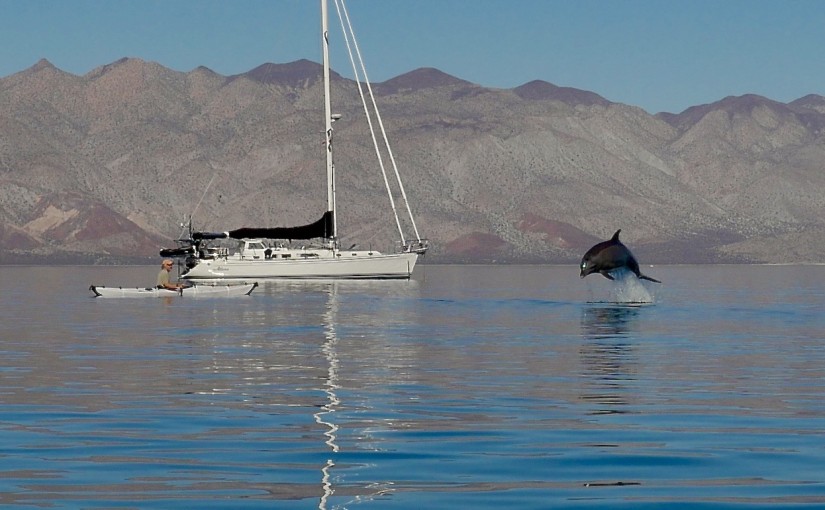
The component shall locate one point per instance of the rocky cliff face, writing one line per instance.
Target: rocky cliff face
(106, 166)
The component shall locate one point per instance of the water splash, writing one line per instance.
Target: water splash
(626, 288)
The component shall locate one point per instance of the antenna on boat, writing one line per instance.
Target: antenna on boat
(203, 195)
(184, 225)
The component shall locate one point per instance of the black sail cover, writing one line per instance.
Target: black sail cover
(321, 228)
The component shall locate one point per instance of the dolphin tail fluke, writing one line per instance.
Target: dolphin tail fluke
(643, 277)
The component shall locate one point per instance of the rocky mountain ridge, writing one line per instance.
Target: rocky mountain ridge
(106, 166)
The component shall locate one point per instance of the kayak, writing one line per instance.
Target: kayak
(218, 290)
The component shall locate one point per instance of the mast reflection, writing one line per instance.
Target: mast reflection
(326, 412)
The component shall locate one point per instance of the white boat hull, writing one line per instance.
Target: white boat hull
(198, 291)
(361, 265)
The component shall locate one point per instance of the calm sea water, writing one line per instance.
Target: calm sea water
(467, 387)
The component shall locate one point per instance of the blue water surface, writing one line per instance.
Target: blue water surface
(466, 387)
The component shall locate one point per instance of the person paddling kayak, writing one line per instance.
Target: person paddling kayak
(163, 276)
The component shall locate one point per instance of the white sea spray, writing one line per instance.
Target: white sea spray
(625, 288)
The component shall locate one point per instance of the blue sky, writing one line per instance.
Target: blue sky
(660, 55)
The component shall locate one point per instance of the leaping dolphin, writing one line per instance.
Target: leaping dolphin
(608, 256)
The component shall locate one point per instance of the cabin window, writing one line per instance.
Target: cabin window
(286, 256)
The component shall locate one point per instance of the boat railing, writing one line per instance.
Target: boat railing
(419, 246)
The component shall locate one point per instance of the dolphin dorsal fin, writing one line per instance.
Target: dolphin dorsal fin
(616, 236)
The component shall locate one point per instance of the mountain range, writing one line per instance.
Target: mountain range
(106, 167)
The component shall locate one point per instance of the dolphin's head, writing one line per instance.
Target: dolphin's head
(604, 257)
(587, 266)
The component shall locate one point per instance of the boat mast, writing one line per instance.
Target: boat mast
(328, 124)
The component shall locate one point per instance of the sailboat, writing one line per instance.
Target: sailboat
(268, 253)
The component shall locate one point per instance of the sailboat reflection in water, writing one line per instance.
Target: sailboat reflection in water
(322, 417)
